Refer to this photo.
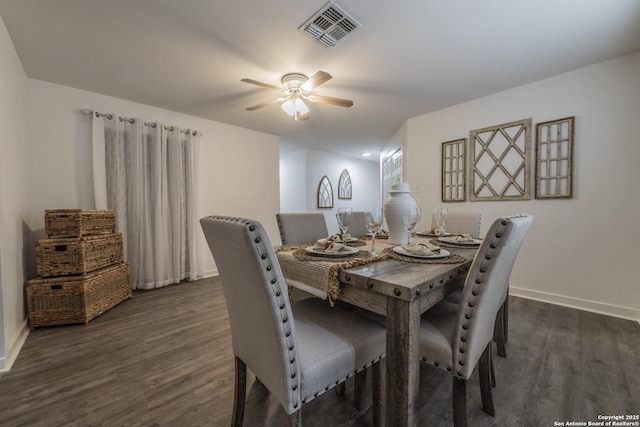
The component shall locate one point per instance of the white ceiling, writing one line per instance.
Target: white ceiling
(410, 57)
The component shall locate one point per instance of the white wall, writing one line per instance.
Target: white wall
(365, 180)
(45, 163)
(14, 198)
(581, 252)
(293, 181)
(237, 169)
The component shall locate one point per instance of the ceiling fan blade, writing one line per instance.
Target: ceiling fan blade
(330, 100)
(314, 81)
(264, 85)
(266, 104)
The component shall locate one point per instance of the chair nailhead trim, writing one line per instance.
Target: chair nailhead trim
(263, 256)
(252, 227)
(257, 240)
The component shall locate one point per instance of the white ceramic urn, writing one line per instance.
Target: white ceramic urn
(399, 201)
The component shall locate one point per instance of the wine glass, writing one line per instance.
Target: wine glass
(409, 220)
(373, 222)
(344, 217)
(440, 217)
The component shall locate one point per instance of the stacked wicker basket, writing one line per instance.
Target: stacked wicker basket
(80, 266)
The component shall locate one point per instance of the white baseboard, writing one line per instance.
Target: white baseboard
(580, 304)
(209, 273)
(14, 348)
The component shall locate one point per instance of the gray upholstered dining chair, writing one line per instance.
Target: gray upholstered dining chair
(457, 337)
(358, 227)
(301, 227)
(297, 351)
(461, 223)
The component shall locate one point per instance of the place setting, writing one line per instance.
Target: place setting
(459, 241)
(428, 252)
(341, 245)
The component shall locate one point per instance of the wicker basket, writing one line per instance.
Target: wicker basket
(73, 255)
(76, 299)
(78, 222)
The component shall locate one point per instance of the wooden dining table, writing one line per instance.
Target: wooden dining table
(401, 291)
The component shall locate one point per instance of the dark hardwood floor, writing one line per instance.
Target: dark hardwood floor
(163, 358)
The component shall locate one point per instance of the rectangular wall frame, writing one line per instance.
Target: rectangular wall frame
(554, 159)
(454, 164)
(500, 157)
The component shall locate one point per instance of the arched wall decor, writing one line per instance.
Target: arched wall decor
(344, 185)
(325, 193)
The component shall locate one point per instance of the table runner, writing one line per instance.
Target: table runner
(320, 272)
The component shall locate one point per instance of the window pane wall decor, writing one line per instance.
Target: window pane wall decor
(554, 159)
(454, 163)
(500, 162)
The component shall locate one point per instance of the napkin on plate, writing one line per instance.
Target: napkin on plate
(461, 238)
(335, 248)
(432, 231)
(337, 237)
(328, 246)
(424, 249)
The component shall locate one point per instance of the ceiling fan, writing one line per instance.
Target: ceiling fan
(297, 88)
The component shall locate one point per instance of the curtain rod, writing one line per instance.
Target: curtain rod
(132, 121)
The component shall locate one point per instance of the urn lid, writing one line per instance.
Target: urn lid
(400, 187)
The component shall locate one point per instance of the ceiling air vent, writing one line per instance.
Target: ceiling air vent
(329, 25)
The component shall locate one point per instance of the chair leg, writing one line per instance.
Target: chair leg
(359, 389)
(493, 371)
(340, 388)
(376, 410)
(499, 329)
(459, 402)
(240, 393)
(505, 317)
(484, 370)
(295, 419)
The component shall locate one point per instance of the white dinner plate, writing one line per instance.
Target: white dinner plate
(474, 242)
(344, 252)
(400, 250)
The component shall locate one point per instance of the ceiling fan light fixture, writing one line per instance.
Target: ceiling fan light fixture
(295, 106)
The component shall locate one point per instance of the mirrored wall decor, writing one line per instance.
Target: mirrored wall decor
(325, 193)
(344, 185)
(454, 163)
(554, 159)
(500, 157)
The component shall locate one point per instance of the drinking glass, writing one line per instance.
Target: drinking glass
(409, 220)
(373, 222)
(440, 217)
(344, 217)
